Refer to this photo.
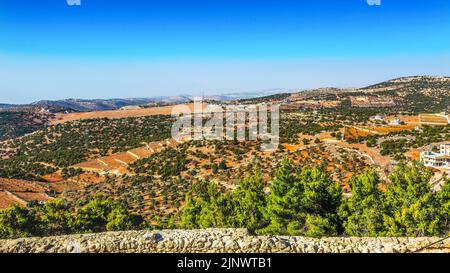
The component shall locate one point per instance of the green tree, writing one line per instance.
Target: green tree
(207, 206)
(102, 213)
(443, 199)
(280, 210)
(217, 209)
(320, 200)
(190, 212)
(54, 218)
(303, 203)
(17, 222)
(249, 201)
(411, 204)
(362, 213)
(120, 219)
(318, 226)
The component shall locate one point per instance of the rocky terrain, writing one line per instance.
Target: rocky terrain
(215, 241)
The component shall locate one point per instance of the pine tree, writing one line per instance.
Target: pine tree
(280, 210)
(302, 204)
(17, 222)
(362, 213)
(411, 204)
(217, 210)
(249, 202)
(195, 200)
(320, 202)
(54, 218)
(102, 213)
(190, 213)
(443, 199)
(207, 206)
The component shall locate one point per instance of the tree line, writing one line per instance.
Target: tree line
(307, 202)
(298, 201)
(56, 217)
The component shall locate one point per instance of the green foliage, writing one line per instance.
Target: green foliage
(309, 203)
(70, 172)
(416, 96)
(411, 204)
(443, 199)
(249, 200)
(299, 204)
(363, 211)
(16, 222)
(303, 203)
(120, 219)
(190, 212)
(371, 142)
(70, 143)
(207, 206)
(103, 213)
(400, 142)
(18, 123)
(282, 203)
(168, 162)
(394, 147)
(408, 207)
(218, 212)
(55, 218)
(318, 226)
(291, 127)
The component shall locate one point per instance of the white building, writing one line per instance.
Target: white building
(437, 160)
(396, 121)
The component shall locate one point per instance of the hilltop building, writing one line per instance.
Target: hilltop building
(437, 160)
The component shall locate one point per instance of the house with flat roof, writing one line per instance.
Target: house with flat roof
(437, 160)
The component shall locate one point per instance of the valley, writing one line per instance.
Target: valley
(128, 155)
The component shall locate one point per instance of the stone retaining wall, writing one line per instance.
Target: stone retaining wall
(214, 240)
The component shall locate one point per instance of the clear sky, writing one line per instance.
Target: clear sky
(144, 48)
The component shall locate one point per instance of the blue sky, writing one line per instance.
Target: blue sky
(143, 48)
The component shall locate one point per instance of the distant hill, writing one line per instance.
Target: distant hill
(81, 105)
(5, 106)
(415, 94)
(257, 94)
(87, 105)
(411, 94)
(19, 123)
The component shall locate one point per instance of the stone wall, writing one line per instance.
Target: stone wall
(214, 240)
